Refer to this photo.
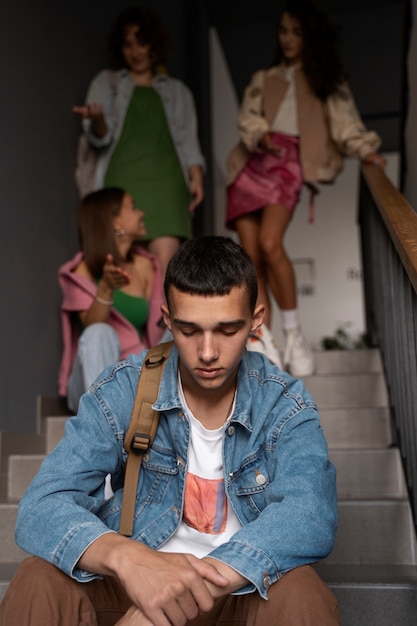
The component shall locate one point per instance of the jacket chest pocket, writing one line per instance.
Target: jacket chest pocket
(251, 484)
(158, 470)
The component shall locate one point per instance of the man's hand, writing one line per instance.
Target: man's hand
(134, 617)
(169, 589)
(236, 580)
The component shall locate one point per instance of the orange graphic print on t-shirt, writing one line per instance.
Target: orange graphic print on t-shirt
(205, 504)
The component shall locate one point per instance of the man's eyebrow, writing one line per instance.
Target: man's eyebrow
(222, 324)
(180, 322)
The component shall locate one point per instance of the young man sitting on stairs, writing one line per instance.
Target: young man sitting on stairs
(236, 496)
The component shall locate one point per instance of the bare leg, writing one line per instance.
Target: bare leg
(298, 356)
(280, 271)
(164, 248)
(248, 230)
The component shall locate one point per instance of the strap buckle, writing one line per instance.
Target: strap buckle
(140, 443)
(150, 363)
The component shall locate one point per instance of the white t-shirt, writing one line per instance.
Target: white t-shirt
(285, 120)
(208, 519)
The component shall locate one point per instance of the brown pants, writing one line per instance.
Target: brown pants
(42, 595)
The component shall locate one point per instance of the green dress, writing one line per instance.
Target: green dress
(144, 163)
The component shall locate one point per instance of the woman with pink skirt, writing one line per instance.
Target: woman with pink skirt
(297, 121)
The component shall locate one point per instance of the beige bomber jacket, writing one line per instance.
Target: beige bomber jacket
(327, 130)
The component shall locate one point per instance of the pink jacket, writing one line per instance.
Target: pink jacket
(78, 293)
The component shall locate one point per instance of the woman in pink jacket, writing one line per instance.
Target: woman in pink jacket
(297, 121)
(112, 292)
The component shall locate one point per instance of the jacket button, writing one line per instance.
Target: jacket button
(260, 479)
(266, 581)
(230, 430)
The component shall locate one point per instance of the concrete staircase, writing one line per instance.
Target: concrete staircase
(21, 455)
(373, 567)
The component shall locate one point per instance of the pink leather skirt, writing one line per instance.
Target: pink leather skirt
(266, 179)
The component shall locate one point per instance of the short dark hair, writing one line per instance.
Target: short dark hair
(211, 266)
(151, 31)
(95, 227)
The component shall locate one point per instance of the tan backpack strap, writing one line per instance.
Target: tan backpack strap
(142, 429)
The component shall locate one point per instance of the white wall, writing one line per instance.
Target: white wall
(326, 254)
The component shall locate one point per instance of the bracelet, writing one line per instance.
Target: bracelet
(105, 302)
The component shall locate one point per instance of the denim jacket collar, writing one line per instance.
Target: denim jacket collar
(168, 397)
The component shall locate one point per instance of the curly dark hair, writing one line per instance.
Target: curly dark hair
(151, 31)
(321, 61)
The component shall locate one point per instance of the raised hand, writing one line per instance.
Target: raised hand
(93, 110)
(114, 277)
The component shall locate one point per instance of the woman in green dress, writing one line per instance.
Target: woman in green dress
(144, 127)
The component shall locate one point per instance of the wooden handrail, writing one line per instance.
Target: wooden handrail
(399, 218)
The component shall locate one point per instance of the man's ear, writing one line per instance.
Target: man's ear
(166, 316)
(257, 318)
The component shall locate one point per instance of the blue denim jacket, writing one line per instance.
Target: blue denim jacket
(288, 516)
(114, 95)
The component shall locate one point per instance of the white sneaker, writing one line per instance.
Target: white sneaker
(262, 341)
(298, 355)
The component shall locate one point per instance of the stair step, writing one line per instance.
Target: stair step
(370, 474)
(347, 361)
(10, 553)
(347, 390)
(51, 405)
(47, 406)
(365, 573)
(368, 427)
(16, 443)
(375, 532)
(19, 443)
(373, 594)
(54, 428)
(7, 571)
(360, 474)
(22, 468)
